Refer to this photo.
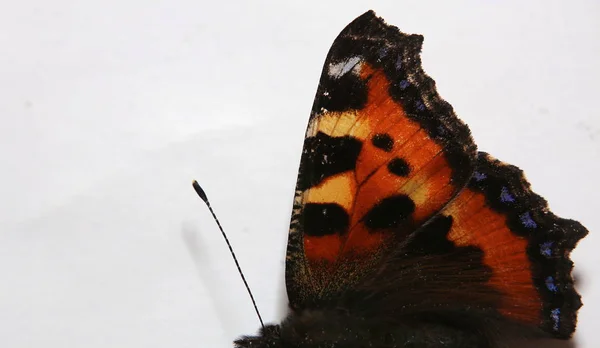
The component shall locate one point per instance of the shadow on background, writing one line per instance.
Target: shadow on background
(222, 304)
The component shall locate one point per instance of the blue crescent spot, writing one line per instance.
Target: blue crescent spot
(546, 249)
(550, 284)
(479, 176)
(555, 316)
(382, 52)
(505, 196)
(420, 106)
(527, 220)
(403, 84)
(441, 130)
(399, 63)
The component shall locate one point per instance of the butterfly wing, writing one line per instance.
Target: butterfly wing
(383, 154)
(525, 246)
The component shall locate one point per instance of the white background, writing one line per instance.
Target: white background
(109, 109)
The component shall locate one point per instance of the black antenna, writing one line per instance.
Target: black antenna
(202, 195)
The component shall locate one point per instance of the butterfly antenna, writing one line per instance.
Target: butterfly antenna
(202, 195)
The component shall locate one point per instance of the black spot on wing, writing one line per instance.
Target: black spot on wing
(383, 141)
(347, 92)
(324, 156)
(399, 166)
(390, 212)
(432, 239)
(322, 219)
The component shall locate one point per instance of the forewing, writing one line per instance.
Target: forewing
(383, 154)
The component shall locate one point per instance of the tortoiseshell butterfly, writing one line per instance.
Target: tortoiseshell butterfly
(402, 234)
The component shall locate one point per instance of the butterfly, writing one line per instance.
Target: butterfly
(402, 233)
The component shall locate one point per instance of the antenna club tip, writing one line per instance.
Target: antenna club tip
(199, 191)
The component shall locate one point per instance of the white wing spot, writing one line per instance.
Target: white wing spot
(338, 70)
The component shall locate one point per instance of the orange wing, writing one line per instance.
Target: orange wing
(382, 155)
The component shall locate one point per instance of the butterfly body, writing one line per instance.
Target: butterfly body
(329, 328)
(402, 234)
